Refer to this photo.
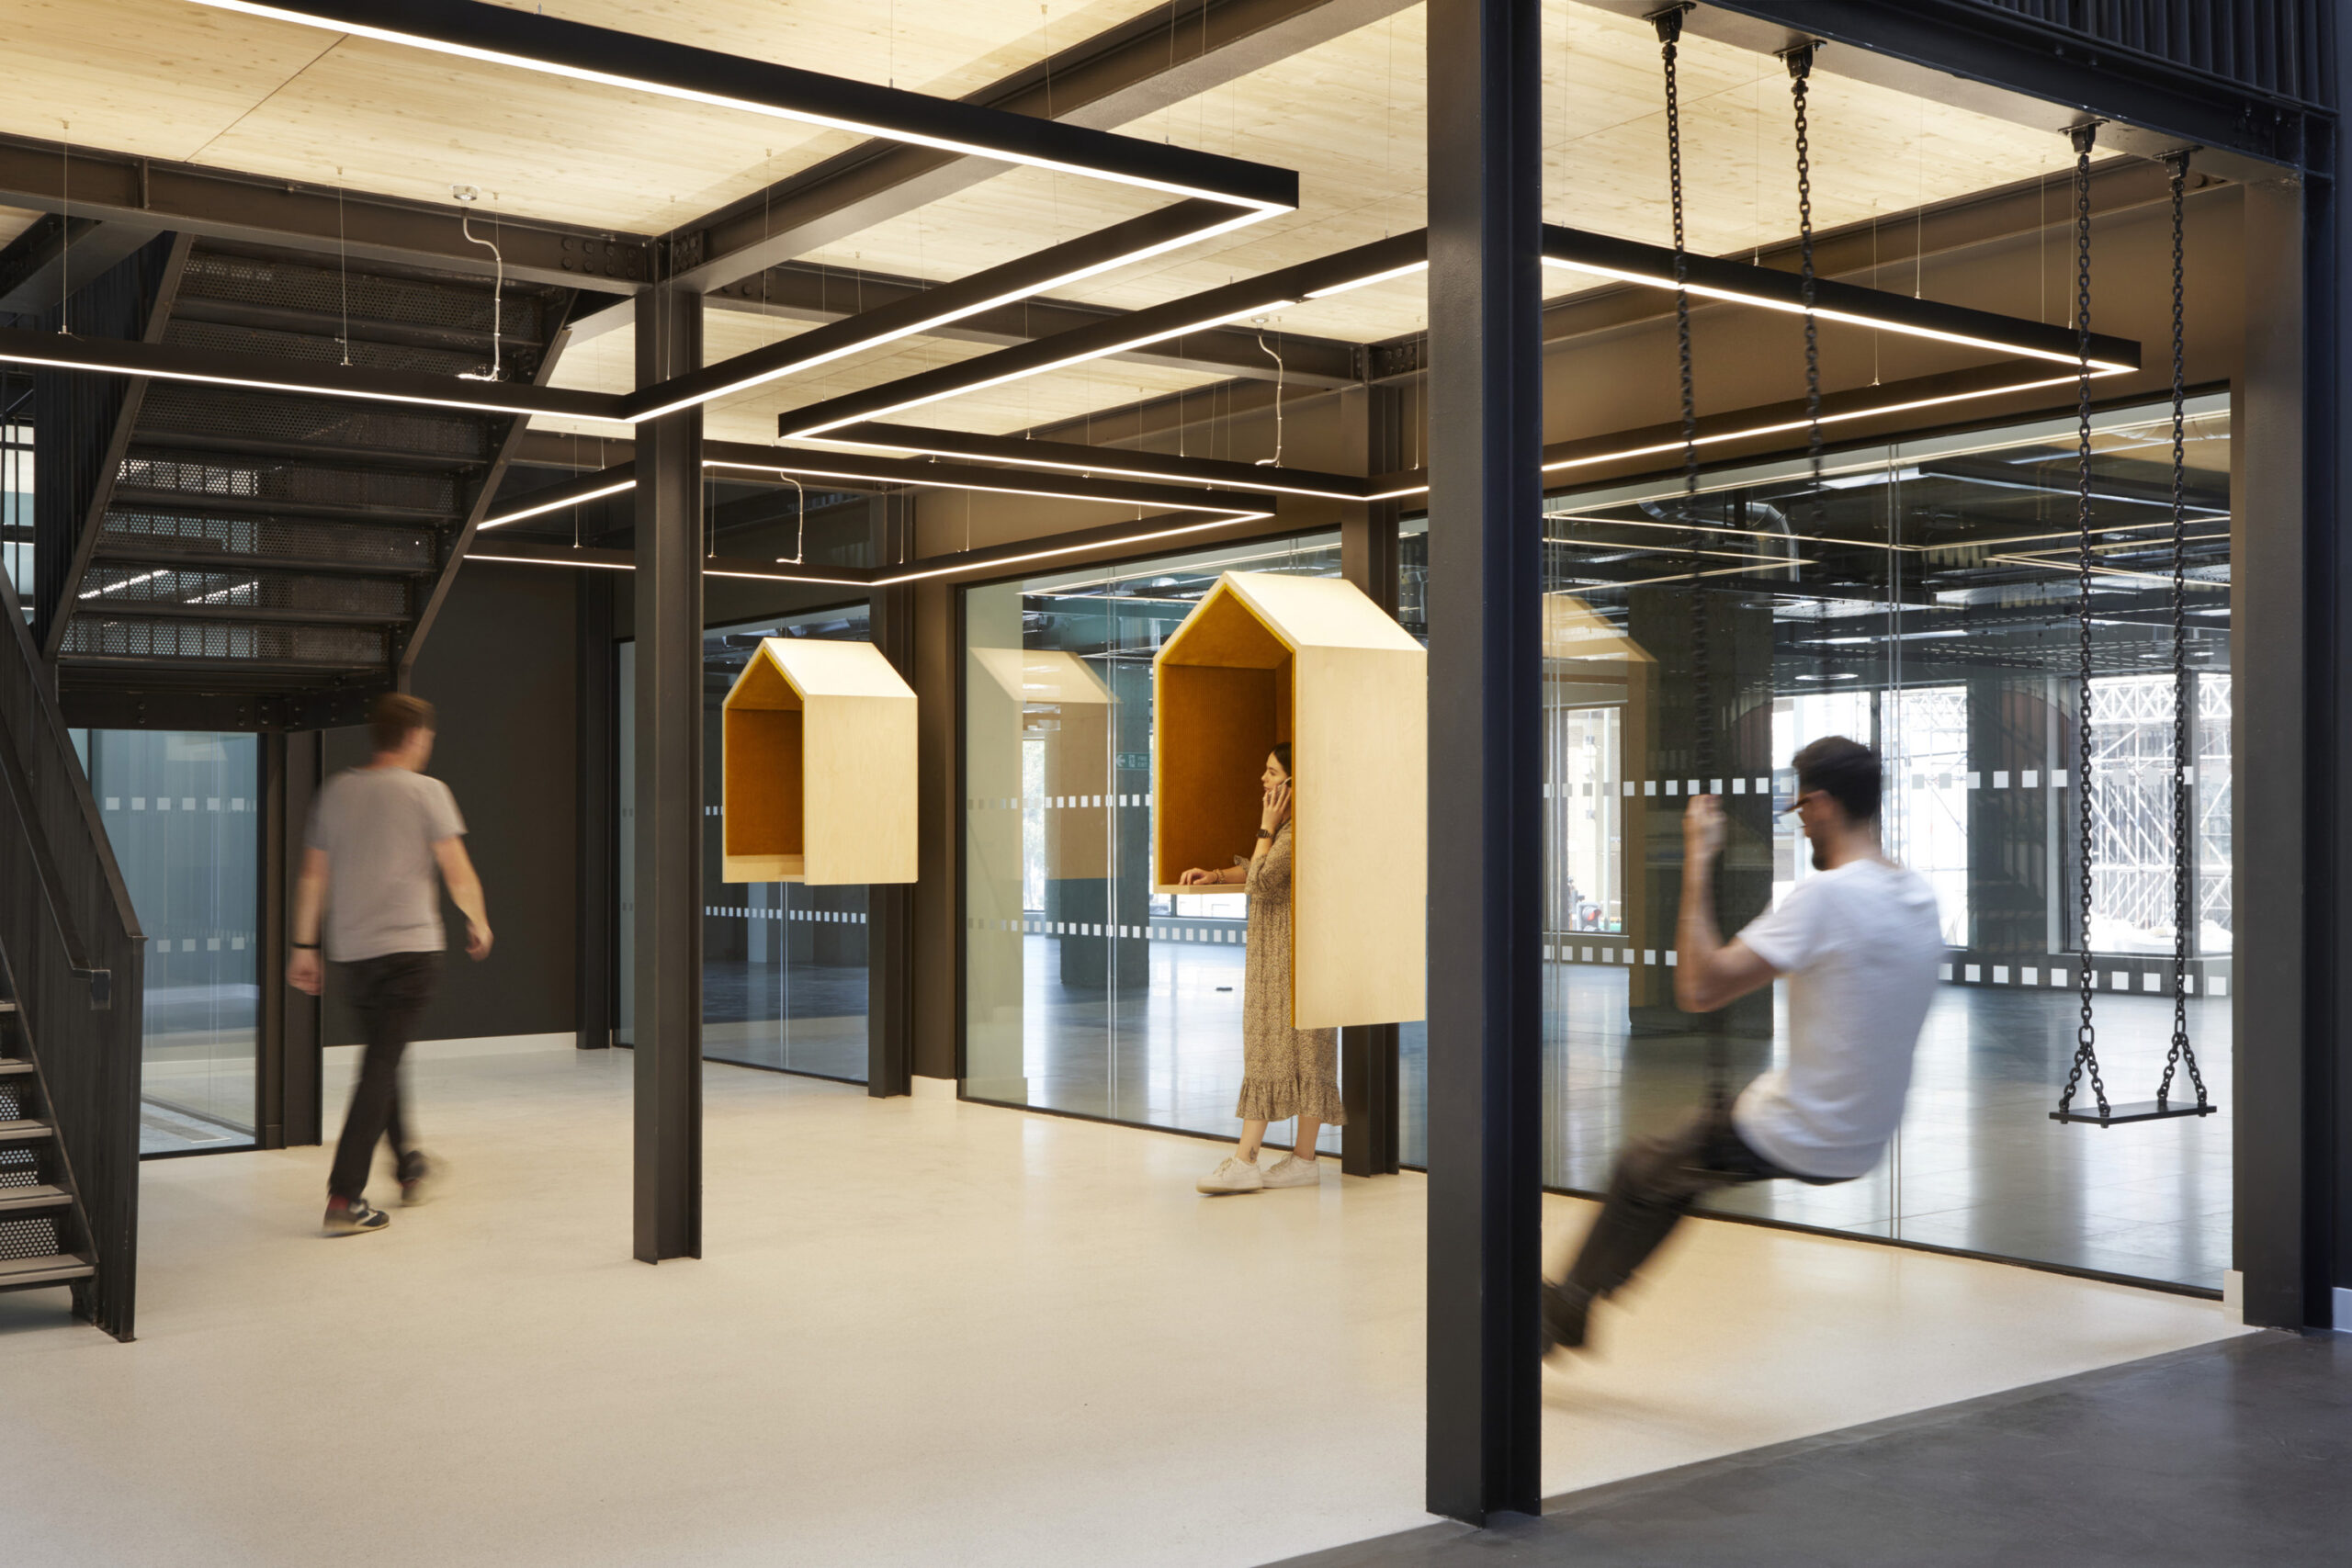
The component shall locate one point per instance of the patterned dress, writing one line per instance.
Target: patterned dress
(1286, 1072)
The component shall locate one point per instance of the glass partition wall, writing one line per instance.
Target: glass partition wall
(183, 813)
(1922, 599)
(784, 970)
(1085, 991)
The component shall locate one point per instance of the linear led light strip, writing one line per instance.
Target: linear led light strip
(992, 562)
(622, 478)
(1715, 277)
(1071, 457)
(1007, 488)
(455, 21)
(954, 305)
(123, 357)
(2070, 568)
(1776, 427)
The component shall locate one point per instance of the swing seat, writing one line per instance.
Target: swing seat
(2144, 1111)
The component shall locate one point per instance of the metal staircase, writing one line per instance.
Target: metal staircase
(44, 1236)
(244, 559)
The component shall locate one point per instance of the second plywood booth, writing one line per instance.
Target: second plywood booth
(1268, 657)
(818, 766)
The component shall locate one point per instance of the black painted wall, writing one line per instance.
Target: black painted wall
(500, 667)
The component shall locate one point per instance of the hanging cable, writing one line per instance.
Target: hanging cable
(343, 267)
(1276, 460)
(2085, 1032)
(2184, 843)
(498, 289)
(799, 520)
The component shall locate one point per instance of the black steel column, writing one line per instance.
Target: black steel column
(669, 791)
(597, 741)
(1486, 762)
(1369, 1144)
(890, 907)
(291, 1112)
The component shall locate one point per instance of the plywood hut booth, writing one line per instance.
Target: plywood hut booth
(818, 766)
(1269, 657)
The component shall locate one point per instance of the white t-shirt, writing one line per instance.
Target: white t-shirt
(1859, 946)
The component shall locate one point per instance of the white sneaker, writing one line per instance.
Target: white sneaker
(1291, 1171)
(1235, 1175)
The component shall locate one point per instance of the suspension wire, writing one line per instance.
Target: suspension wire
(1800, 64)
(2085, 1032)
(342, 265)
(2184, 845)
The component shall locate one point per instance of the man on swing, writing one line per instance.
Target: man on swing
(1859, 945)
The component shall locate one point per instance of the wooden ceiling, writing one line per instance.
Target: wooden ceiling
(238, 92)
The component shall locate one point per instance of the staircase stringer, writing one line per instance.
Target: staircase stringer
(404, 663)
(94, 515)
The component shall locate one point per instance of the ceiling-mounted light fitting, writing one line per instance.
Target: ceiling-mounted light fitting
(1769, 288)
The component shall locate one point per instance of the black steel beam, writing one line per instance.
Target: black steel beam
(668, 947)
(891, 929)
(57, 255)
(1486, 840)
(807, 291)
(1168, 55)
(220, 204)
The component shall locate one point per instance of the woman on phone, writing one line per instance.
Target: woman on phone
(1286, 1072)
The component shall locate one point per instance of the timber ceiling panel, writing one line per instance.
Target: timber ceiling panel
(1350, 116)
(274, 98)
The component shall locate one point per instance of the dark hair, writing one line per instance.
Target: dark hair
(395, 717)
(1281, 754)
(1845, 771)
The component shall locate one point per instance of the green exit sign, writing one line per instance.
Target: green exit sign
(1140, 762)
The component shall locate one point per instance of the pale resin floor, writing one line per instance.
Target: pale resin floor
(925, 1333)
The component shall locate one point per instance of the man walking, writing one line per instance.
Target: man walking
(1859, 943)
(377, 837)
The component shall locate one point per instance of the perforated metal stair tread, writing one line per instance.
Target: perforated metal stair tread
(308, 451)
(141, 498)
(56, 1269)
(24, 1132)
(117, 548)
(243, 613)
(24, 1200)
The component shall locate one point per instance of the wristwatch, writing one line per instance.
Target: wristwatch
(1266, 832)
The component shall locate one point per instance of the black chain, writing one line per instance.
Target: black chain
(2184, 845)
(2086, 1033)
(1800, 62)
(1668, 23)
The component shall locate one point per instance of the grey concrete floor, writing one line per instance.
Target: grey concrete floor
(2232, 1452)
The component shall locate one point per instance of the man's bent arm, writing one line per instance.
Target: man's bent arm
(1710, 973)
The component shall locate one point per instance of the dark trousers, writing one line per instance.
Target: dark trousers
(388, 993)
(1655, 1184)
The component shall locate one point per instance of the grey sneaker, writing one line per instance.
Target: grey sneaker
(1233, 1175)
(1291, 1171)
(353, 1217)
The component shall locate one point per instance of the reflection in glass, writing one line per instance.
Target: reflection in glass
(1084, 991)
(783, 964)
(1923, 600)
(183, 812)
